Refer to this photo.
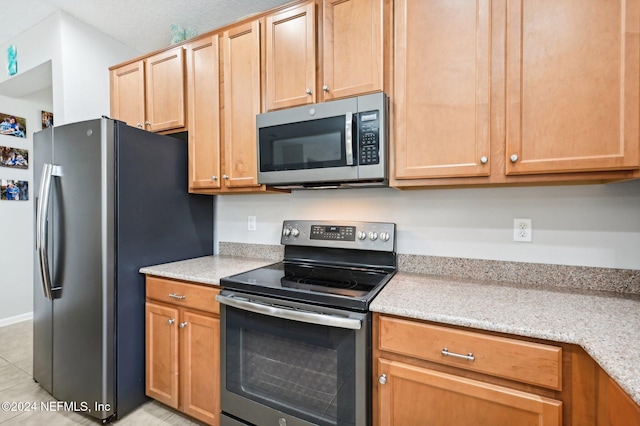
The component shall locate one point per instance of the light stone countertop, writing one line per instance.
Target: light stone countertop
(205, 270)
(605, 324)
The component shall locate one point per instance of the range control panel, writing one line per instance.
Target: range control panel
(378, 236)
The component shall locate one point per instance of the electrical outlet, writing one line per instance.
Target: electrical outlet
(251, 223)
(522, 230)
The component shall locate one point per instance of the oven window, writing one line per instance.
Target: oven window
(305, 145)
(305, 370)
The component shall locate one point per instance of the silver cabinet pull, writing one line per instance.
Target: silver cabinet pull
(214, 177)
(325, 88)
(139, 125)
(177, 296)
(225, 176)
(183, 324)
(484, 159)
(382, 379)
(148, 123)
(514, 158)
(308, 91)
(468, 357)
(171, 321)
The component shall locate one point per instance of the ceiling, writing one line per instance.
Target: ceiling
(141, 24)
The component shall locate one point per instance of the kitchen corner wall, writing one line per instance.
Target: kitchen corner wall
(586, 225)
(63, 68)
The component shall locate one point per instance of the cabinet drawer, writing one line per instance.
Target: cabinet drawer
(513, 359)
(194, 296)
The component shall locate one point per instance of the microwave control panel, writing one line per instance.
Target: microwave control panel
(369, 137)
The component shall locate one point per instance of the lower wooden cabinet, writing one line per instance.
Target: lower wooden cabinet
(442, 376)
(414, 395)
(182, 347)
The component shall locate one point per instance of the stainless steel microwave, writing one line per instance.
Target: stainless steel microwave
(340, 143)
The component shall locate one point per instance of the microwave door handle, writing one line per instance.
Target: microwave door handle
(348, 137)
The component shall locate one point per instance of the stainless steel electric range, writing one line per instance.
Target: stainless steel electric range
(296, 335)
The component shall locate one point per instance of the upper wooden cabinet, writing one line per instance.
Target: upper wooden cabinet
(291, 57)
(353, 47)
(203, 83)
(150, 93)
(127, 93)
(441, 88)
(347, 45)
(165, 83)
(242, 97)
(495, 92)
(572, 85)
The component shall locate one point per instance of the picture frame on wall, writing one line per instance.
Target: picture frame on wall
(14, 190)
(47, 119)
(13, 125)
(14, 157)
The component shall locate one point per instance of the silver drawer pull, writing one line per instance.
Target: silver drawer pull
(171, 321)
(468, 357)
(183, 324)
(177, 296)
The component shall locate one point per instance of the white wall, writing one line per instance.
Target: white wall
(77, 89)
(589, 225)
(16, 237)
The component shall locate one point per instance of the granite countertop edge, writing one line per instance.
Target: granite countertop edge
(605, 325)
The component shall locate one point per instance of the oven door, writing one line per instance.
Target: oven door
(285, 363)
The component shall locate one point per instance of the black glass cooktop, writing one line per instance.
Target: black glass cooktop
(351, 288)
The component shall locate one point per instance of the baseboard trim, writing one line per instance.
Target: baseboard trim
(16, 319)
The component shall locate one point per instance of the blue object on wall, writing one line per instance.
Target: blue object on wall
(12, 60)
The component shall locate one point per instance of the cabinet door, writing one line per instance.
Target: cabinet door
(353, 47)
(242, 93)
(291, 57)
(127, 94)
(162, 353)
(572, 85)
(200, 367)
(441, 83)
(165, 85)
(203, 81)
(414, 395)
(615, 407)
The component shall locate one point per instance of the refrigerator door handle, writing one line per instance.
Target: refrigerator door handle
(48, 171)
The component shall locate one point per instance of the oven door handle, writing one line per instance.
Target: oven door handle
(291, 314)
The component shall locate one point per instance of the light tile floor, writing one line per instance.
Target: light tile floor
(17, 385)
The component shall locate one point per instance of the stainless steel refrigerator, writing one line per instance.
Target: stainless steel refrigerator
(110, 199)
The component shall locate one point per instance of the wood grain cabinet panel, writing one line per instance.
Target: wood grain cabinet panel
(572, 85)
(183, 347)
(413, 395)
(165, 89)
(162, 353)
(127, 94)
(442, 88)
(291, 57)
(353, 47)
(242, 98)
(513, 359)
(199, 369)
(203, 84)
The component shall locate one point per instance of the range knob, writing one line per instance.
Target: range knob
(384, 236)
(362, 235)
(286, 232)
(295, 232)
(373, 236)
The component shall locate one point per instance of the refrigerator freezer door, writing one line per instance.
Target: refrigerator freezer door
(42, 307)
(82, 323)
